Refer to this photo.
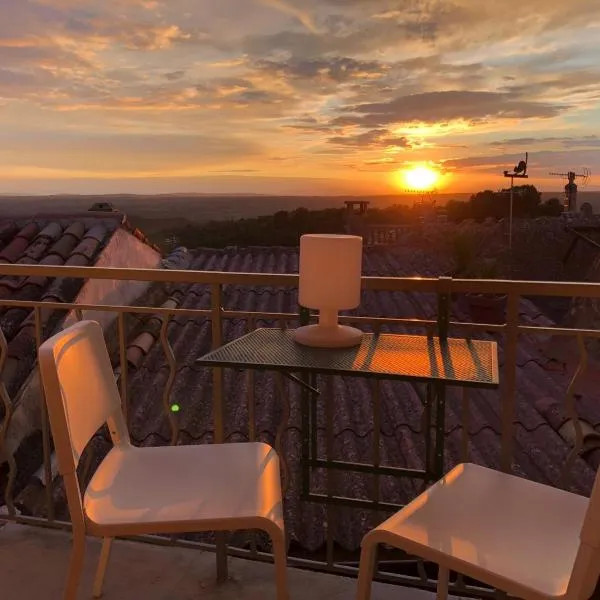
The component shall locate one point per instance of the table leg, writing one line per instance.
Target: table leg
(313, 419)
(285, 417)
(440, 418)
(305, 411)
(426, 427)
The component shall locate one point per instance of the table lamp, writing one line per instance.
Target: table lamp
(330, 272)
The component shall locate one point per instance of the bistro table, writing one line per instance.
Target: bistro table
(437, 362)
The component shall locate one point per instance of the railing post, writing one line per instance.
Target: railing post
(8, 413)
(217, 340)
(510, 381)
(170, 358)
(45, 423)
(444, 294)
(443, 322)
(571, 411)
(216, 298)
(123, 364)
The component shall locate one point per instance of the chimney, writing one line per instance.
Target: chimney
(355, 216)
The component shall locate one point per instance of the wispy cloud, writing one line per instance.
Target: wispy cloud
(303, 16)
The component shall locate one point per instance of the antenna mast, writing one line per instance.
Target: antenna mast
(570, 200)
(519, 172)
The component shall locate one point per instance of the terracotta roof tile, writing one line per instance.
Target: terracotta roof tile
(46, 241)
(76, 229)
(14, 250)
(38, 248)
(67, 243)
(77, 260)
(53, 231)
(7, 232)
(8, 285)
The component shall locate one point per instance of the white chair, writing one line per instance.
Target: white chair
(529, 540)
(147, 490)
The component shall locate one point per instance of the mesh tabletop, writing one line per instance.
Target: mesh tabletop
(408, 357)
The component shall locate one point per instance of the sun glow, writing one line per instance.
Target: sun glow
(420, 177)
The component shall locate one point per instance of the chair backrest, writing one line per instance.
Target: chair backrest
(586, 569)
(81, 395)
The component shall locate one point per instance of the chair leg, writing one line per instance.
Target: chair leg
(442, 584)
(280, 559)
(366, 571)
(102, 564)
(75, 566)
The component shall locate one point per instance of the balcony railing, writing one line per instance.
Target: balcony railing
(443, 288)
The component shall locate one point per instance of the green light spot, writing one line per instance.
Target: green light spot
(175, 408)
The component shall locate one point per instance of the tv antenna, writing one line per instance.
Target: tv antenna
(423, 197)
(519, 172)
(570, 201)
(424, 202)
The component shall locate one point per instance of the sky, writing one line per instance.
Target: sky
(294, 96)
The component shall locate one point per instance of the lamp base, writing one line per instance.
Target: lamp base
(318, 336)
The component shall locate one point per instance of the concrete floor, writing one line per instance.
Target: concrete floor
(33, 563)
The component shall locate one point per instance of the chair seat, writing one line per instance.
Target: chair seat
(169, 489)
(515, 534)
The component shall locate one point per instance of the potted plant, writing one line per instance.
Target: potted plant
(464, 253)
(483, 308)
(486, 308)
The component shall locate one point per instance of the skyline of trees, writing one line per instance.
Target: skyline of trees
(284, 228)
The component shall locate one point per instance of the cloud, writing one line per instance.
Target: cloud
(353, 32)
(335, 69)
(525, 141)
(86, 28)
(417, 27)
(174, 75)
(549, 83)
(375, 138)
(235, 171)
(540, 163)
(143, 37)
(118, 153)
(305, 45)
(309, 124)
(302, 16)
(588, 141)
(435, 107)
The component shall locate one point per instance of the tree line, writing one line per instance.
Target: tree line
(285, 227)
(527, 203)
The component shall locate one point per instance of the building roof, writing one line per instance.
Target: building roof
(541, 423)
(72, 240)
(44, 241)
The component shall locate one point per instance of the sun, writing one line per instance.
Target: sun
(420, 177)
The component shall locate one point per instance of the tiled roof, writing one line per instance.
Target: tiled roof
(44, 240)
(541, 425)
(540, 451)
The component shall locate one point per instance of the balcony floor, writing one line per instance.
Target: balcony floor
(33, 563)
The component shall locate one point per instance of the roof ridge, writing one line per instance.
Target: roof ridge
(116, 215)
(74, 215)
(138, 233)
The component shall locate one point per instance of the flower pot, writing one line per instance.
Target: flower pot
(487, 308)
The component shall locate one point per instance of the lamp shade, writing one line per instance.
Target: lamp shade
(330, 271)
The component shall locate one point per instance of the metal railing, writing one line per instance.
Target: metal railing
(442, 287)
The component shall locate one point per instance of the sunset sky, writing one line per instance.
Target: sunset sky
(294, 96)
